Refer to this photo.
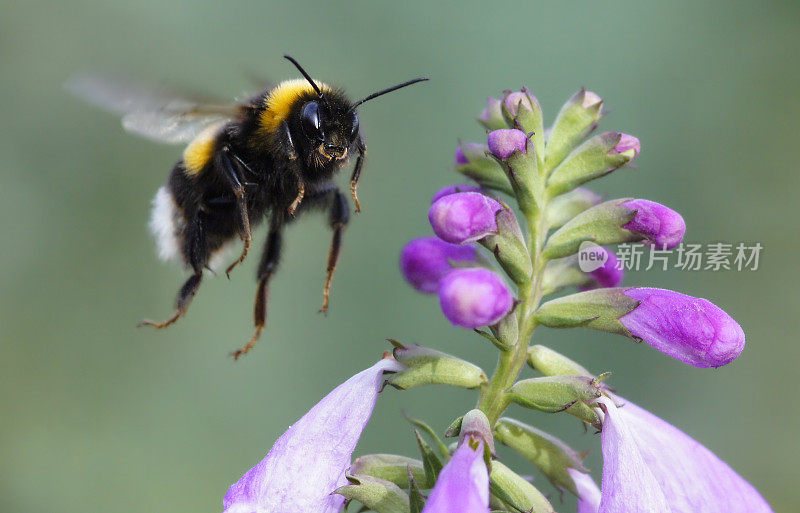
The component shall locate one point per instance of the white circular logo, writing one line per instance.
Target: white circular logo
(591, 256)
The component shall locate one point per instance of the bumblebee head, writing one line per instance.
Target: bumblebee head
(330, 125)
(322, 122)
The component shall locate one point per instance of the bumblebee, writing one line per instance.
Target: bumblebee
(274, 156)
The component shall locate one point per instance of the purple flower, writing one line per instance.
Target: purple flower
(463, 484)
(661, 226)
(504, 142)
(608, 274)
(309, 460)
(452, 189)
(426, 260)
(464, 217)
(651, 466)
(690, 329)
(474, 297)
(627, 143)
(513, 101)
(588, 492)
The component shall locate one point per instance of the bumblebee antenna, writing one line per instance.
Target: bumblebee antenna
(306, 75)
(388, 90)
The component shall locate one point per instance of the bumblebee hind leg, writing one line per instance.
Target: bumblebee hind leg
(269, 262)
(198, 257)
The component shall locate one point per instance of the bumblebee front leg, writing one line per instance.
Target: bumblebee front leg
(339, 216)
(362, 151)
(235, 182)
(269, 261)
(196, 250)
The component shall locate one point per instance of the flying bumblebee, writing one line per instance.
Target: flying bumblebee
(273, 156)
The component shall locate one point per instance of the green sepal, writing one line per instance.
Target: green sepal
(506, 330)
(483, 168)
(532, 122)
(598, 309)
(494, 340)
(601, 224)
(563, 272)
(573, 123)
(376, 494)
(553, 394)
(416, 502)
(588, 161)
(550, 455)
(391, 467)
(440, 445)
(566, 206)
(455, 428)
(425, 366)
(515, 492)
(552, 363)
(522, 170)
(431, 462)
(509, 249)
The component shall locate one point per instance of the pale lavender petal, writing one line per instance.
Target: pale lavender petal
(651, 466)
(308, 461)
(588, 492)
(462, 485)
(690, 329)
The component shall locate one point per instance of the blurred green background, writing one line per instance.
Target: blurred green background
(100, 416)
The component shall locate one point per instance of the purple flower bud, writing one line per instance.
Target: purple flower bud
(513, 101)
(589, 99)
(692, 330)
(453, 189)
(661, 226)
(626, 143)
(504, 142)
(464, 217)
(460, 158)
(609, 273)
(425, 261)
(463, 484)
(650, 465)
(492, 115)
(474, 297)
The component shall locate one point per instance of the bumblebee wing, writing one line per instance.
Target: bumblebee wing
(152, 112)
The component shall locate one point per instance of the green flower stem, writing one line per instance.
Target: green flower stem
(494, 398)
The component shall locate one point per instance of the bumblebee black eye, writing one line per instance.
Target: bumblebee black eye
(354, 129)
(310, 120)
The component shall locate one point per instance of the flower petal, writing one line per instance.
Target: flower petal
(650, 465)
(462, 485)
(588, 492)
(308, 461)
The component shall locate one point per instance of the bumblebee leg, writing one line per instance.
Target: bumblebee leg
(269, 261)
(301, 193)
(241, 206)
(362, 151)
(197, 258)
(339, 216)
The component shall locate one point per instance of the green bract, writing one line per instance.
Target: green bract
(428, 367)
(550, 455)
